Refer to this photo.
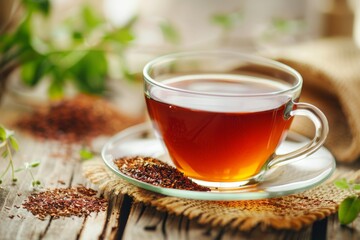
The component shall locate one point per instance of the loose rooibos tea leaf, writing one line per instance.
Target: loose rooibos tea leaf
(156, 172)
(65, 202)
(77, 119)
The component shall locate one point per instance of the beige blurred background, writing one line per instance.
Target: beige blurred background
(194, 20)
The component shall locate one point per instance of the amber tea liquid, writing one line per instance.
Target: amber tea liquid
(224, 139)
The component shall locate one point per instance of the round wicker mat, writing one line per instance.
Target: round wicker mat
(289, 212)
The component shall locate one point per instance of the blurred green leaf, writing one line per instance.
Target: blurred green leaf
(19, 169)
(227, 20)
(280, 24)
(65, 60)
(32, 72)
(56, 88)
(86, 154)
(34, 164)
(349, 210)
(77, 35)
(35, 183)
(5, 153)
(14, 144)
(127, 74)
(287, 25)
(42, 6)
(91, 19)
(169, 32)
(90, 72)
(6, 42)
(14, 44)
(342, 183)
(2, 133)
(23, 34)
(122, 36)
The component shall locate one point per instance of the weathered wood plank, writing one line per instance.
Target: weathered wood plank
(148, 223)
(58, 168)
(109, 231)
(335, 231)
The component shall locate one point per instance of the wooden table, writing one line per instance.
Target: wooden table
(124, 219)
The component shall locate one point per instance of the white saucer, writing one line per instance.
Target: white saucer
(284, 180)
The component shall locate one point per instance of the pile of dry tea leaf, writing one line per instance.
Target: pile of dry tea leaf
(76, 120)
(65, 202)
(156, 172)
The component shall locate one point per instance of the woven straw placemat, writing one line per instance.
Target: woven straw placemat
(289, 212)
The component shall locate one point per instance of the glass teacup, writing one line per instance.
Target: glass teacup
(222, 115)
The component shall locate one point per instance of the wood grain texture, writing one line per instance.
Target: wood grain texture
(58, 168)
(148, 223)
(337, 232)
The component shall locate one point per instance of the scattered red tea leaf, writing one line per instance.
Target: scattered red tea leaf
(61, 182)
(65, 202)
(156, 172)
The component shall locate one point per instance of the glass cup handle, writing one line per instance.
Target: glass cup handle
(321, 132)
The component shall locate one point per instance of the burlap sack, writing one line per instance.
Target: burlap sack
(331, 73)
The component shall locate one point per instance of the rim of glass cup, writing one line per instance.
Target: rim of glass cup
(246, 57)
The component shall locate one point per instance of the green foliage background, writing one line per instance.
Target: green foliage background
(84, 65)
